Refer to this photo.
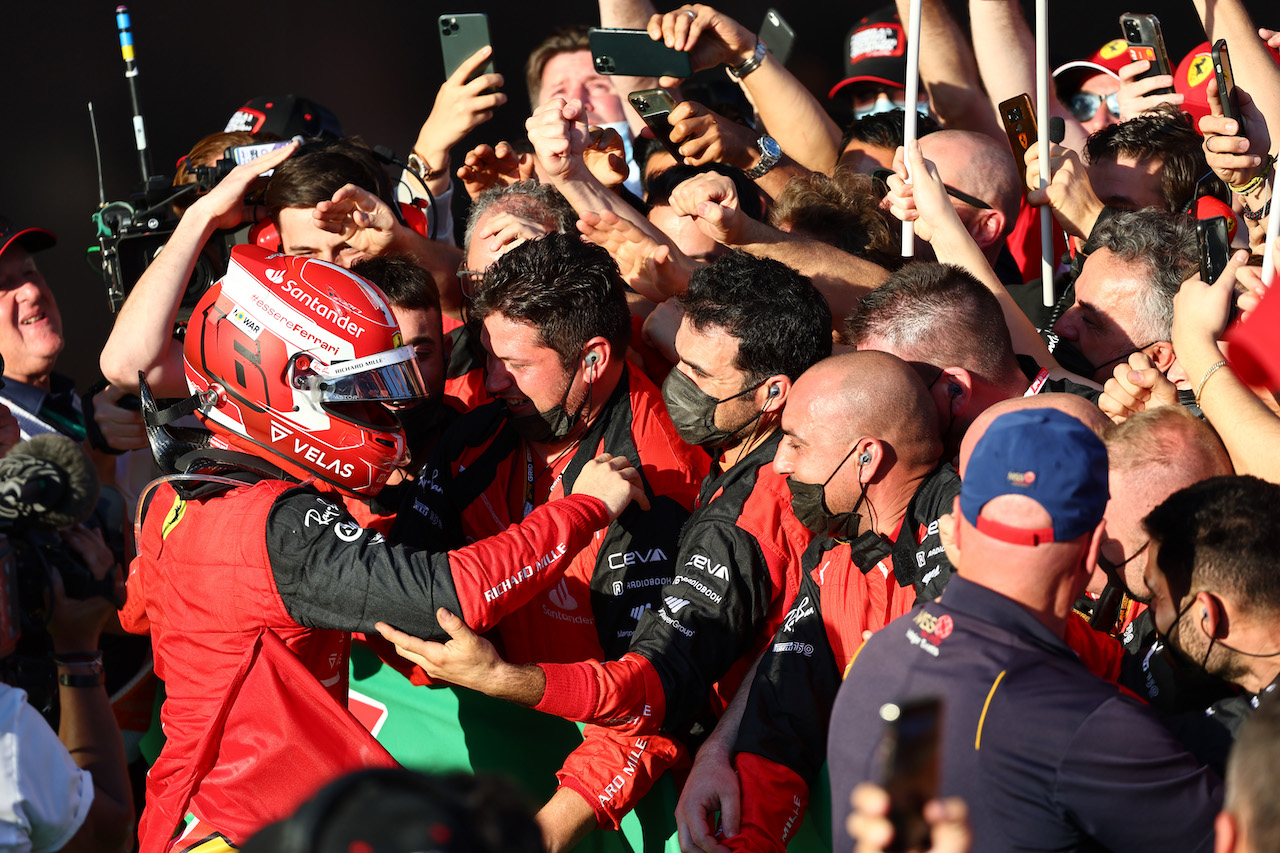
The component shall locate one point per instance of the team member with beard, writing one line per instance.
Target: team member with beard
(250, 560)
(741, 345)
(1215, 592)
(552, 316)
(860, 451)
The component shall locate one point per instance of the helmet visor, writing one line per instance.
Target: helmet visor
(388, 377)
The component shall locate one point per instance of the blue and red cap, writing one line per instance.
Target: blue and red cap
(1045, 455)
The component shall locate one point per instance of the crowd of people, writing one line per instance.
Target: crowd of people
(670, 441)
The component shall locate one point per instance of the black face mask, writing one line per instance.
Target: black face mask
(693, 411)
(809, 503)
(553, 424)
(1068, 356)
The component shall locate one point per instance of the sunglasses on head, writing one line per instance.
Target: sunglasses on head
(1084, 105)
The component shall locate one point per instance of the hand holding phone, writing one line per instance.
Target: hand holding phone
(655, 106)
(911, 768)
(634, 54)
(1146, 41)
(1019, 119)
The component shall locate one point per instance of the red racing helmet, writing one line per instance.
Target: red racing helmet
(295, 359)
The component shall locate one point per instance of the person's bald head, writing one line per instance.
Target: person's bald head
(1151, 455)
(1077, 407)
(976, 164)
(859, 422)
(876, 394)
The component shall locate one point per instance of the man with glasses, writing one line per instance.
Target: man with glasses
(500, 219)
(1090, 88)
(985, 188)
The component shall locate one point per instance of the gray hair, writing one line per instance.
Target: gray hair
(530, 199)
(1165, 245)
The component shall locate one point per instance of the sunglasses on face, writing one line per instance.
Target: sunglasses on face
(1084, 105)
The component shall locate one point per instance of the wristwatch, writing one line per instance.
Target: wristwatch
(770, 154)
(420, 168)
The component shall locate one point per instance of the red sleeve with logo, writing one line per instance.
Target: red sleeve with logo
(774, 799)
(613, 771)
(499, 574)
(625, 694)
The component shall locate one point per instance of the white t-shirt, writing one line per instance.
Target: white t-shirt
(44, 796)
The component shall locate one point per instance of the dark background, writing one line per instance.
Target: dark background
(376, 64)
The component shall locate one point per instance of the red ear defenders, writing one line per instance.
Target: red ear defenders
(266, 235)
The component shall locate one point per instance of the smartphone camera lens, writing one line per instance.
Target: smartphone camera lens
(1131, 31)
(450, 26)
(1015, 114)
(641, 104)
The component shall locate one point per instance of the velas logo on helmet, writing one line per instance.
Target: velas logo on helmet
(1022, 478)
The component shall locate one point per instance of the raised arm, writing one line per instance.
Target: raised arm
(949, 72)
(142, 337)
(793, 116)
(711, 201)
(1006, 55)
(1251, 62)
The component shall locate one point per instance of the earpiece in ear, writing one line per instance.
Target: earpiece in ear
(774, 391)
(953, 390)
(865, 457)
(593, 358)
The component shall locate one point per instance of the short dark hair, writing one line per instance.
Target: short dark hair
(530, 199)
(1163, 243)
(563, 40)
(570, 291)
(781, 321)
(404, 283)
(662, 184)
(1253, 773)
(1164, 133)
(938, 314)
(318, 170)
(886, 129)
(1222, 534)
(841, 210)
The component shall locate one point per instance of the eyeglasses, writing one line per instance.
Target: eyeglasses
(1084, 105)
(1113, 569)
(958, 195)
(470, 280)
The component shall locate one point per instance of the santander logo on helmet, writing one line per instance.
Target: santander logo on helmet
(300, 355)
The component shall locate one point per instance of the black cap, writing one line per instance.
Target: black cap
(875, 51)
(285, 116)
(31, 239)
